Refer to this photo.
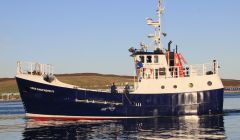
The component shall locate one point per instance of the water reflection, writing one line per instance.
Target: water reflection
(189, 127)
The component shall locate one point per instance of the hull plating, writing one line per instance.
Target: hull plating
(46, 101)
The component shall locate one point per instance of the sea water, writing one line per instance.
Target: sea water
(13, 126)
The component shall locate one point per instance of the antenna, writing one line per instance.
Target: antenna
(156, 37)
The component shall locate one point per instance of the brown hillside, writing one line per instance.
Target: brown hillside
(83, 80)
(8, 85)
(231, 83)
(94, 81)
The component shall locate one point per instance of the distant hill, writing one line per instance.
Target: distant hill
(93, 74)
(84, 80)
(231, 83)
(8, 85)
(91, 80)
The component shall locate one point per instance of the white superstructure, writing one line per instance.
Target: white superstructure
(166, 70)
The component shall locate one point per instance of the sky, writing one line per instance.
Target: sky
(94, 35)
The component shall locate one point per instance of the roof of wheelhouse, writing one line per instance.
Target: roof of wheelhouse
(144, 52)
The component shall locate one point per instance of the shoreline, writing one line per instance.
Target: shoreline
(231, 91)
(17, 100)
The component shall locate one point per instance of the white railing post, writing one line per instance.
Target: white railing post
(178, 68)
(52, 69)
(42, 69)
(217, 67)
(31, 68)
(190, 74)
(173, 72)
(203, 69)
(49, 69)
(18, 67)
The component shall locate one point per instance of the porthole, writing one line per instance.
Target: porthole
(190, 85)
(162, 87)
(209, 83)
(175, 86)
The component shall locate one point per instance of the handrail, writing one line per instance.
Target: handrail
(194, 70)
(33, 68)
(180, 71)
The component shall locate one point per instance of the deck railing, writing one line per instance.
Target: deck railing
(178, 71)
(32, 68)
(194, 70)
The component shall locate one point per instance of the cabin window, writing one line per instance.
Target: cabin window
(142, 59)
(156, 73)
(162, 71)
(162, 87)
(155, 59)
(175, 86)
(149, 59)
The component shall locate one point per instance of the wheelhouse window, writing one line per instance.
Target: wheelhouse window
(162, 71)
(142, 59)
(155, 59)
(156, 73)
(149, 59)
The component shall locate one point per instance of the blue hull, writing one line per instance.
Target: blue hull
(58, 101)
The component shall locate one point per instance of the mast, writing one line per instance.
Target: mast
(156, 37)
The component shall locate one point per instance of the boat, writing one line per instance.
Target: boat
(164, 85)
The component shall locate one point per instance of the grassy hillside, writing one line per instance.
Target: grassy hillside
(231, 83)
(84, 80)
(90, 80)
(94, 81)
(8, 85)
